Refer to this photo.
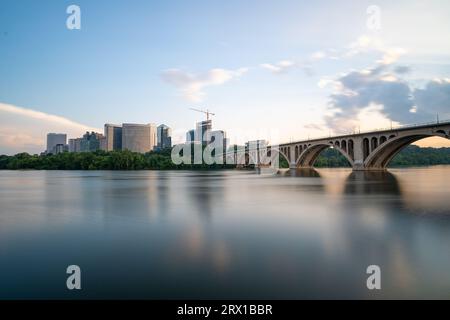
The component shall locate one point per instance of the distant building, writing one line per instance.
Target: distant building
(91, 141)
(60, 148)
(190, 136)
(75, 145)
(164, 134)
(218, 138)
(256, 144)
(139, 137)
(53, 139)
(202, 131)
(103, 143)
(113, 136)
(219, 134)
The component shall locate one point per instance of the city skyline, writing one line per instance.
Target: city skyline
(284, 66)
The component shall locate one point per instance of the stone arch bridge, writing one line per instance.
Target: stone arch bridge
(364, 151)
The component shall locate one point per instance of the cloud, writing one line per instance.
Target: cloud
(25, 130)
(280, 67)
(313, 126)
(379, 91)
(434, 97)
(331, 54)
(402, 69)
(363, 45)
(318, 55)
(367, 44)
(191, 85)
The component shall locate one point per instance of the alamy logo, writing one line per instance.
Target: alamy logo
(73, 21)
(374, 280)
(74, 280)
(374, 19)
(211, 149)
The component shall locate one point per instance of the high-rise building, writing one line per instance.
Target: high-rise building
(113, 135)
(75, 145)
(60, 148)
(91, 141)
(218, 138)
(202, 131)
(138, 137)
(54, 139)
(256, 144)
(164, 134)
(221, 136)
(190, 136)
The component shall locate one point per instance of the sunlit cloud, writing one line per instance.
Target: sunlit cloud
(192, 85)
(25, 130)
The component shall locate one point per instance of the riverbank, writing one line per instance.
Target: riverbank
(411, 156)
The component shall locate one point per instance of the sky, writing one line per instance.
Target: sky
(281, 70)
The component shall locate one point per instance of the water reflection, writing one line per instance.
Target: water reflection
(301, 172)
(372, 182)
(226, 234)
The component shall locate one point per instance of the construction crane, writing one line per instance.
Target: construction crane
(207, 112)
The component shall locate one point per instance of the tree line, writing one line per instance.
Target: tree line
(161, 160)
(98, 160)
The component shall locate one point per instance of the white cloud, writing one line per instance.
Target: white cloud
(25, 130)
(318, 55)
(279, 67)
(367, 44)
(192, 85)
(363, 45)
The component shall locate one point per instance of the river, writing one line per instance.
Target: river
(225, 234)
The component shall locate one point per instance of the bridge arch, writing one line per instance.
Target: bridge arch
(309, 156)
(344, 145)
(283, 152)
(380, 157)
(365, 148)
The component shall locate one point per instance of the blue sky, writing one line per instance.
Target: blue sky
(279, 66)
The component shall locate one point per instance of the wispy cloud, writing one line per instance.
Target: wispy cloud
(367, 44)
(25, 130)
(280, 67)
(192, 85)
(363, 45)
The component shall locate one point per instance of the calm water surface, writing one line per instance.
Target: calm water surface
(225, 234)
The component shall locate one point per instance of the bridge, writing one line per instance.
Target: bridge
(364, 150)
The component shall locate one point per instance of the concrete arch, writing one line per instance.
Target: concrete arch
(282, 152)
(366, 148)
(351, 149)
(373, 143)
(344, 145)
(309, 156)
(383, 154)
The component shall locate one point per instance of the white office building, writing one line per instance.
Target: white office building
(54, 139)
(140, 138)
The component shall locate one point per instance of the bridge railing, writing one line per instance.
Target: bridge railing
(403, 126)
